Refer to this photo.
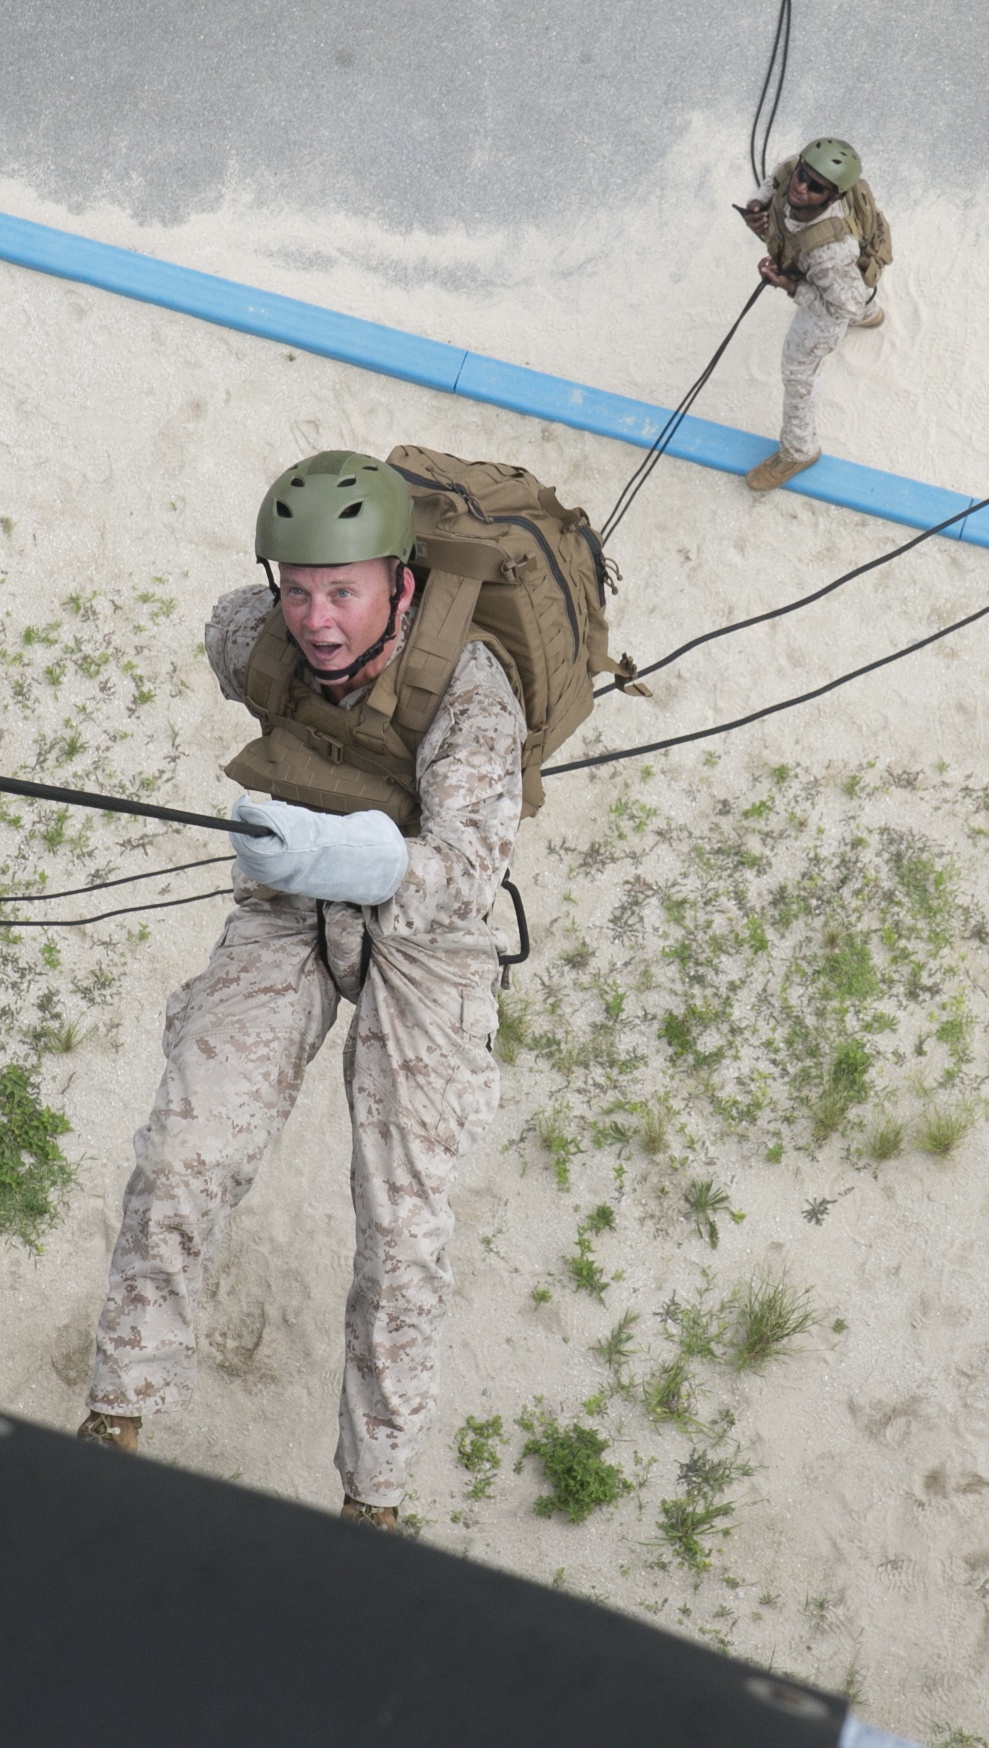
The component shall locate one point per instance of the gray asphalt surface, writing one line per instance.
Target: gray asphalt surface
(462, 112)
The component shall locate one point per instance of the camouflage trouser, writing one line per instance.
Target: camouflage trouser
(809, 341)
(421, 1082)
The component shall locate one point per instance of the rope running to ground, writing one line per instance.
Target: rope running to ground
(678, 740)
(802, 600)
(634, 485)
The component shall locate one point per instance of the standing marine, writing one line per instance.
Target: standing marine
(410, 667)
(828, 244)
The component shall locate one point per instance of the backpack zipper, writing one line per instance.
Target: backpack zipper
(474, 507)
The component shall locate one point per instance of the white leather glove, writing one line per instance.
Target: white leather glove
(354, 858)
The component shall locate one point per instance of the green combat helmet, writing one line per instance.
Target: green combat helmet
(835, 160)
(338, 507)
(335, 508)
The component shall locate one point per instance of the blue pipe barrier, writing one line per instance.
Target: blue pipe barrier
(434, 364)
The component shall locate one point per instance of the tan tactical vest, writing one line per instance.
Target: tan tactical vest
(500, 561)
(865, 223)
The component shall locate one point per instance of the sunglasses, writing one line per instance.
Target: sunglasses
(810, 182)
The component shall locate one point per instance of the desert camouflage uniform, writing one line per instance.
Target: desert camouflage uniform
(831, 299)
(420, 1076)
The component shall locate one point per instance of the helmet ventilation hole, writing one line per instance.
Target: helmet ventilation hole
(282, 509)
(297, 481)
(351, 510)
(351, 480)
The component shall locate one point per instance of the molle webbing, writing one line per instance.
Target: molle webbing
(865, 223)
(342, 761)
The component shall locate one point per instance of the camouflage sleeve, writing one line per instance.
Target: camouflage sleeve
(231, 635)
(834, 287)
(469, 769)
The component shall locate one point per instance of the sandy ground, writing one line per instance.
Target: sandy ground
(135, 448)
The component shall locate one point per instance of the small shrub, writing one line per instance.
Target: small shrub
(942, 1127)
(703, 1198)
(668, 1395)
(618, 1347)
(653, 1126)
(689, 1523)
(701, 1473)
(561, 1147)
(34, 1173)
(583, 1267)
(886, 1139)
(477, 1451)
(769, 1315)
(847, 1084)
(571, 1459)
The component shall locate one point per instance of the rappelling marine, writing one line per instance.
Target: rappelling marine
(428, 634)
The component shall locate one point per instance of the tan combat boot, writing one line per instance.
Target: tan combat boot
(776, 470)
(118, 1431)
(874, 319)
(383, 1517)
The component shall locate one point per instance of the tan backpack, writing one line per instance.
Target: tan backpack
(540, 607)
(865, 222)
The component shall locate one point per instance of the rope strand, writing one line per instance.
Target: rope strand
(677, 740)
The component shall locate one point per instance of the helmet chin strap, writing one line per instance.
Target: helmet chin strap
(369, 655)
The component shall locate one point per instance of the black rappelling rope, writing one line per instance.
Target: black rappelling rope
(633, 487)
(677, 740)
(102, 885)
(781, 48)
(114, 804)
(142, 809)
(782, 32)
(802, 601)
(79, 922)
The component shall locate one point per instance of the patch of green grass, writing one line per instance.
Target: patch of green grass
(617, 1347)
(571, 1458)
(162, 606)
(689, 1524)
(886, 1138)
(942, 1127)
(63, 1036)
(946, 1737)
(514, 1032)
(682, 1031)
(847, 1084)
(769, 1316)
(541, 1295)
(668, 1395)
(583, 1268)
(477, 1450)
(702, 1473)
(561, 1146)
(43, 634)
(654, 1122)
(34, 1173)
(703, 1198)
(853, 1685)
(699, 1328)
